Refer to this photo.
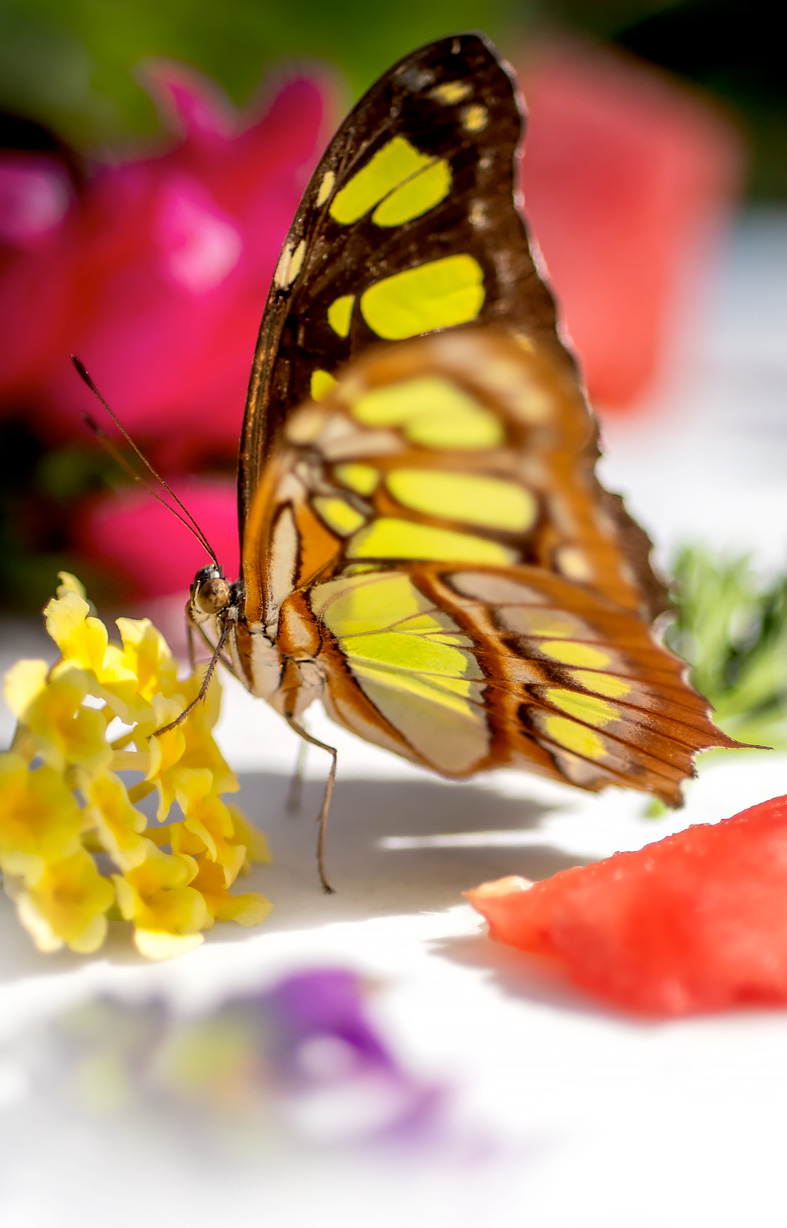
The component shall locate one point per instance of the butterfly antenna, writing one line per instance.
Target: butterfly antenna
(183, 515)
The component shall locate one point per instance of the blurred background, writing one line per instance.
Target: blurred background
(153, 152)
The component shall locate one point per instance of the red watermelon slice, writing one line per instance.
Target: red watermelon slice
(695, 922)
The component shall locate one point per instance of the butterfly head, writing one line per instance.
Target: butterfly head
(209, 595)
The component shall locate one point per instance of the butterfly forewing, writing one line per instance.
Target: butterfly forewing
(408, 224)
(466, 445)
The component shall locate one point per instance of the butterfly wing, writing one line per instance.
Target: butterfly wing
(463, 670)
(423, 534)
(410, 224)
(466, 445)
(433, 534)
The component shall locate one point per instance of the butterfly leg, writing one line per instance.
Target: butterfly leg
(293, 803)
(190, 639)
(322, 818)
(225, 632)
(225, 661)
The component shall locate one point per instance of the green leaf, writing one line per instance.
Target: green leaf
(731, 627)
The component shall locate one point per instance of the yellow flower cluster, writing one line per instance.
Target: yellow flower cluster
(75, 850)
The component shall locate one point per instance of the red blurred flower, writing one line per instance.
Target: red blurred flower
(155, 274)
(626, 175)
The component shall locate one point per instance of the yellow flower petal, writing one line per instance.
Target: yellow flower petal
(147, 654)
(156, 896)
(24, 867)
(194, 785)
(62, 803)
(247, 909)
(201, 750)
(23, 683)
(184, 750)
(194, 838)
(116, 677)
(157, 944)
(66, 732)
(70, 584)
(67, 904)
(255, 841)
(39, 815)
(119, 824)
(83, 640)
(79, 636)
(208, 826)
(37, 926)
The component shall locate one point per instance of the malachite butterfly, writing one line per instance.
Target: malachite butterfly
(425, 545)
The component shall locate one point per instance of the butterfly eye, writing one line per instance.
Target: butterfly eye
(212, 595)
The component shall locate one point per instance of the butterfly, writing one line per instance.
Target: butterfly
(425, 546)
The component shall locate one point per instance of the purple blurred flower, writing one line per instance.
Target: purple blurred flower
(340, 1079)
(303, 1059)
(321, 1004)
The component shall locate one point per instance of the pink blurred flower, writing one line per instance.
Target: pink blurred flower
(627, 176)
(35, 193)
(157, 272)
(147, 548)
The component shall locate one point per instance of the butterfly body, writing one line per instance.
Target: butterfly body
(425, 545)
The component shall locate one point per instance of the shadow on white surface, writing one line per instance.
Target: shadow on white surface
(394, 847)
(530, 978)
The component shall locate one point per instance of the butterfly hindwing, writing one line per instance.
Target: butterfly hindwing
(466, 670)
(466, 596)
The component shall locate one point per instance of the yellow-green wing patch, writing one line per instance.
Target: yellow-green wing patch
(412, 663)
(399, 179)
(437, 294)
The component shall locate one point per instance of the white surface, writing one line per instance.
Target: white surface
(591, 1119)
